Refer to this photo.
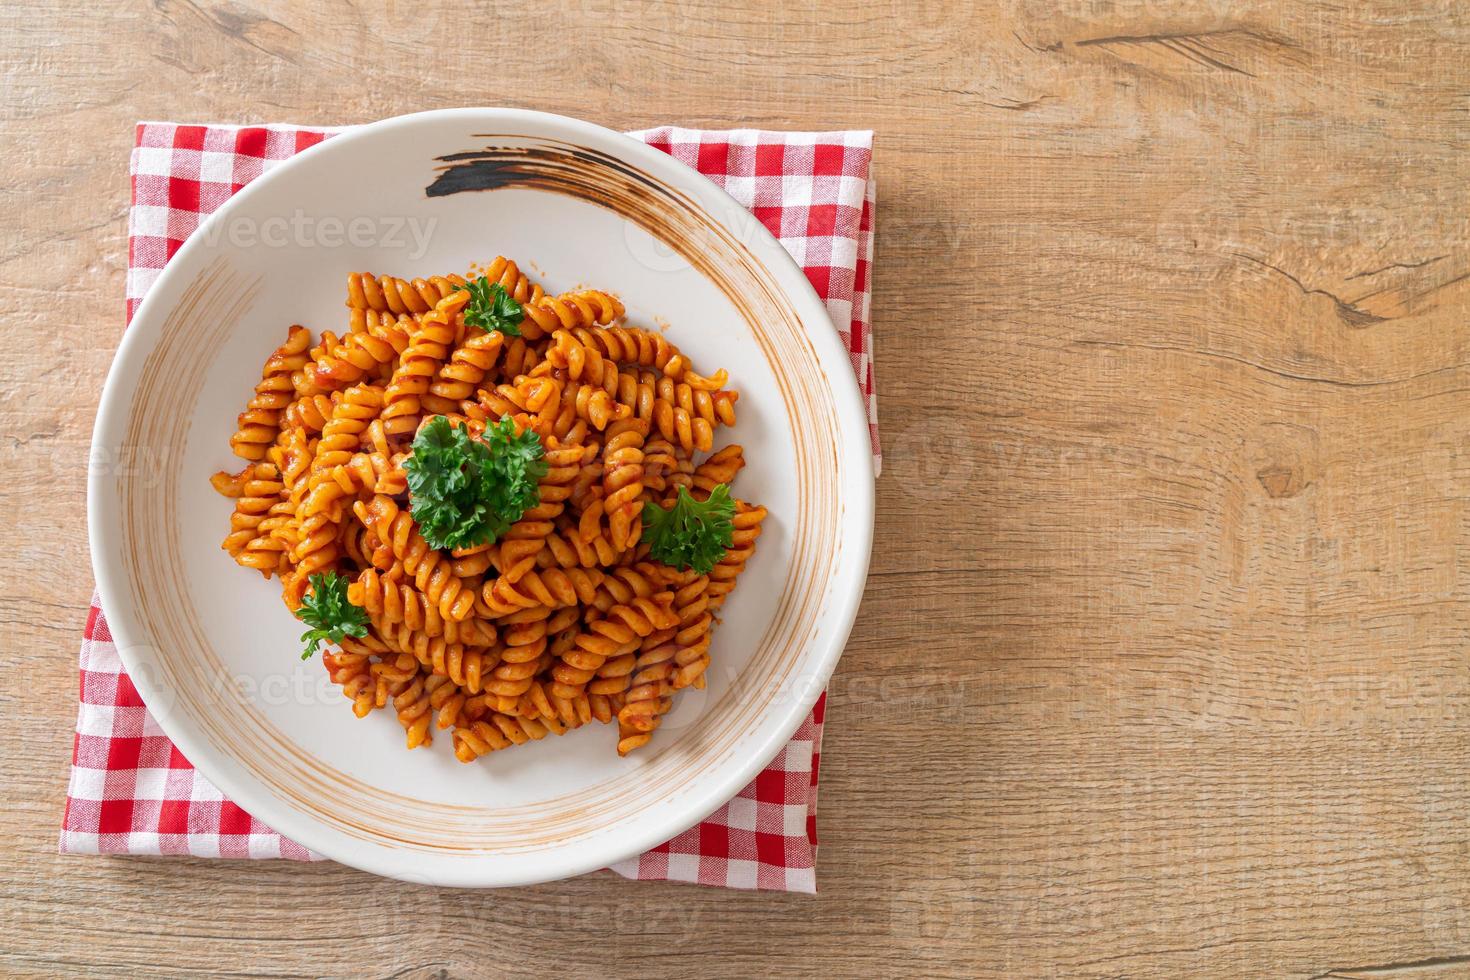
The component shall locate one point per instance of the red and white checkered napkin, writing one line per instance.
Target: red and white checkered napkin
(131, 792)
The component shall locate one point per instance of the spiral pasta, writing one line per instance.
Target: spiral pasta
(256, 489)
(260, 422)
(373, 344)
(585, 308)
(467, 666)
(389, 294)
(722, 577)
(487, 730)
(622, 482)
(565, 619)
(553, 588)
(351, 669)
(392, 598)
(617, 633)
(429, 345)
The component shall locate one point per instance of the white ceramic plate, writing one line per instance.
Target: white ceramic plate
(214, 652)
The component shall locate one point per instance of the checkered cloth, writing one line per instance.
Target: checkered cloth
(132, 792)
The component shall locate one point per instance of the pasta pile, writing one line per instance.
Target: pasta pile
(573, 612)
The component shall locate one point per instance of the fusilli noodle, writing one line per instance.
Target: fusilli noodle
(562, 619)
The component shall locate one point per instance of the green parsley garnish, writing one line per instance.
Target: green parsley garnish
(465, 491)
(492, 308)
(326, 610)
(691, 534)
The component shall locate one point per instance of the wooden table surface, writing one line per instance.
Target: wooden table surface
(1161, 669)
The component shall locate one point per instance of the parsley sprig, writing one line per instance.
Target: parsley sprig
(492, 308)
(691, 534)
(465, 491)
(326, 610)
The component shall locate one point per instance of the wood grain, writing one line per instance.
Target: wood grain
(1162, 665)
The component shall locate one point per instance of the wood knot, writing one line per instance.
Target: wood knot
(1281, 482)
(1283, 457)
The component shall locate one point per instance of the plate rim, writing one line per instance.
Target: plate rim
(558, 862)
